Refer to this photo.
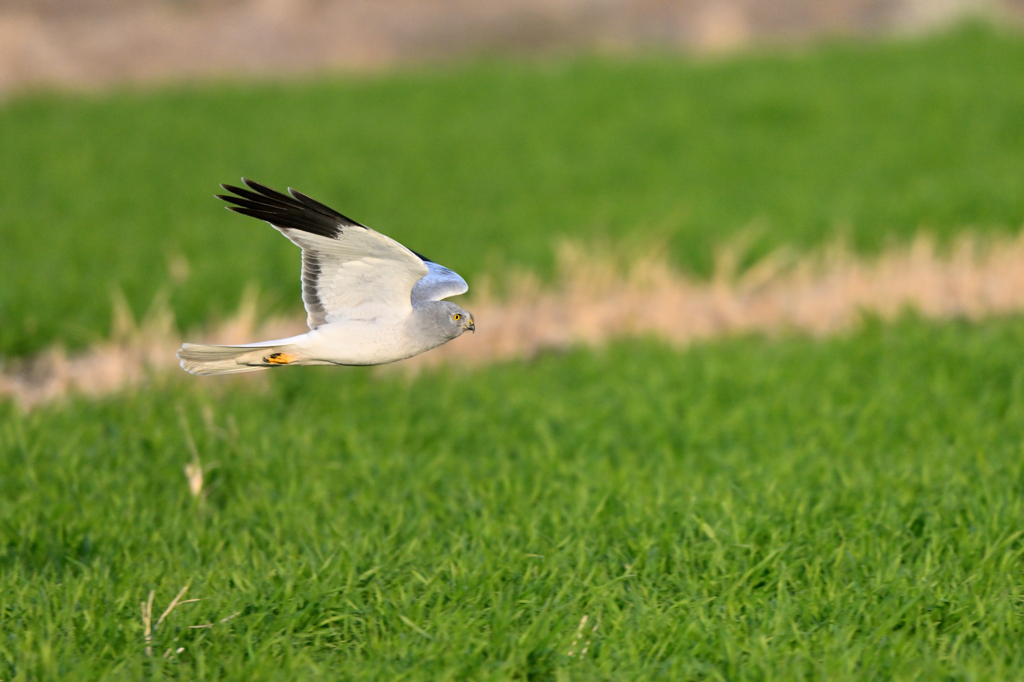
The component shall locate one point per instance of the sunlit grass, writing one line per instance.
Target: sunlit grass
(753, 509)
(847, 509)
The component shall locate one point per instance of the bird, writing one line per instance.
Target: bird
(369, 300)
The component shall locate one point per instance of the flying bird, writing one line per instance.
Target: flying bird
(369, 300)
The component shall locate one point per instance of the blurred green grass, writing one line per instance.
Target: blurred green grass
(847, 509)
(793, 509)
(485, 166)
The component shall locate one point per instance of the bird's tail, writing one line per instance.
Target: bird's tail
(204, 360)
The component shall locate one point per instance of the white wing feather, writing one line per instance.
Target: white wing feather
(349, 272)
(359, 275)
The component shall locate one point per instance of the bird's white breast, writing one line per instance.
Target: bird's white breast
(364, 342)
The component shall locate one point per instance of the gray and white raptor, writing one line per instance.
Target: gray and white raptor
(369, 299)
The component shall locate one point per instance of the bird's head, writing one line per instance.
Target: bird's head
(454, 319)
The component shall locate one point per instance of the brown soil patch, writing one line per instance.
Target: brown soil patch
(597, 298)
(78, 43)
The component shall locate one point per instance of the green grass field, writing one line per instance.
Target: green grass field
(847, 509)
(489, 165)
(750, 509)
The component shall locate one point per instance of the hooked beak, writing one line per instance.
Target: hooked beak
(470, 325)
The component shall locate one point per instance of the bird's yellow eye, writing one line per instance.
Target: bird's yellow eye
(456, 317)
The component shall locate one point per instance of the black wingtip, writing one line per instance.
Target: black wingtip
(264, 190)
(296, 211)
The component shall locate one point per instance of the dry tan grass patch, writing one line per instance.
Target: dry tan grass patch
(135, 351)
(820, 293)
(596, 297)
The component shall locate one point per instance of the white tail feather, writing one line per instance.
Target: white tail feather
(204, 360)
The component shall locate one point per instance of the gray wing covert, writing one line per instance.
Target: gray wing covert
(438, 283)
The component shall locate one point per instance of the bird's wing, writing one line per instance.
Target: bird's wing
(349, 272)
(440, 282)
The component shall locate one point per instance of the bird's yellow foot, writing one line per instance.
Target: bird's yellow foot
(280, 359)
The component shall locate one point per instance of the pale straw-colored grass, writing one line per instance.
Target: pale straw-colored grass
(596, 296)
(821, 293)
(136, 352)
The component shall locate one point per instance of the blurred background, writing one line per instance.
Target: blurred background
(78, 42)
(700, 158)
